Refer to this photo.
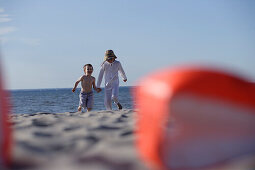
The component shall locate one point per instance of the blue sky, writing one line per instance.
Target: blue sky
(46, 43)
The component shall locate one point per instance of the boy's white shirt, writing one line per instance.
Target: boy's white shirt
(110, 73)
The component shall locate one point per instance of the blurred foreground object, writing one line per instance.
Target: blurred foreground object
(192, 118)
(5, 132)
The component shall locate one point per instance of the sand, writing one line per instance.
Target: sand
(99, 140)
(95, 140)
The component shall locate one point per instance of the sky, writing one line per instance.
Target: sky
(44, 44)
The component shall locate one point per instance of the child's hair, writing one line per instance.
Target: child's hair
(89, 65)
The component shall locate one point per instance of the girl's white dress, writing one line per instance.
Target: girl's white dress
(110, 72)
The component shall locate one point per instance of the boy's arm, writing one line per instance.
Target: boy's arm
(122, 73)
(94, 86)
(100, 76)
(76, 84)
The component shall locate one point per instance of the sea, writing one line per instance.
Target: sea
(61, 100)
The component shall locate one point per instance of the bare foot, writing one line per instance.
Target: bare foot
(79, 109)
(119, 106)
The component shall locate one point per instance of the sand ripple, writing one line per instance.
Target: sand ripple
(94, 140)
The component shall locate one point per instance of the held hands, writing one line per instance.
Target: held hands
(125, 80)
(98, 90)
(73, 90)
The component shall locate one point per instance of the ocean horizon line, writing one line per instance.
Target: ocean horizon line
(61, 88)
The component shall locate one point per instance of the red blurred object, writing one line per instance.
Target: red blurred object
(5, 131)
(191, 118)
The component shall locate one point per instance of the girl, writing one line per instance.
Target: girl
(109, 70)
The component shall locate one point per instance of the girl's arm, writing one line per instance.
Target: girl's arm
(122, 73)
(100, 76)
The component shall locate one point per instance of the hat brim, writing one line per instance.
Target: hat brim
(110, 57)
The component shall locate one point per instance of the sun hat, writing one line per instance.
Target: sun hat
(109, 54)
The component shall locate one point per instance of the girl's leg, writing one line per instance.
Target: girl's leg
(108, 99)
(89, 109)
(115, 95)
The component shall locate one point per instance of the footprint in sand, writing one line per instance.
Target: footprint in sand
(106, 128)
(31, 147)
(71, 128)
(43, 122)
(44, 134)
(92, 139)
(127, 133)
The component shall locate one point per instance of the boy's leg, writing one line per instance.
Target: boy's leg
(115, 94)
(108, 99)
(90, 102)
(82, 103)
(79, 108)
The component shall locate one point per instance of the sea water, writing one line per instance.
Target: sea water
(60, 100)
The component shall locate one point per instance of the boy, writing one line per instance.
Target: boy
(86, 95)
(109, 70)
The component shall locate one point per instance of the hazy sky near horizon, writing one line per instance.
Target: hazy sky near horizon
(44, 44)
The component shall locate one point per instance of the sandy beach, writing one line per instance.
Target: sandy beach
(97, 140)
(91, 141)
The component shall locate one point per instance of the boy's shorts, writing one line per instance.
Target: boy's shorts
(86, 100)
